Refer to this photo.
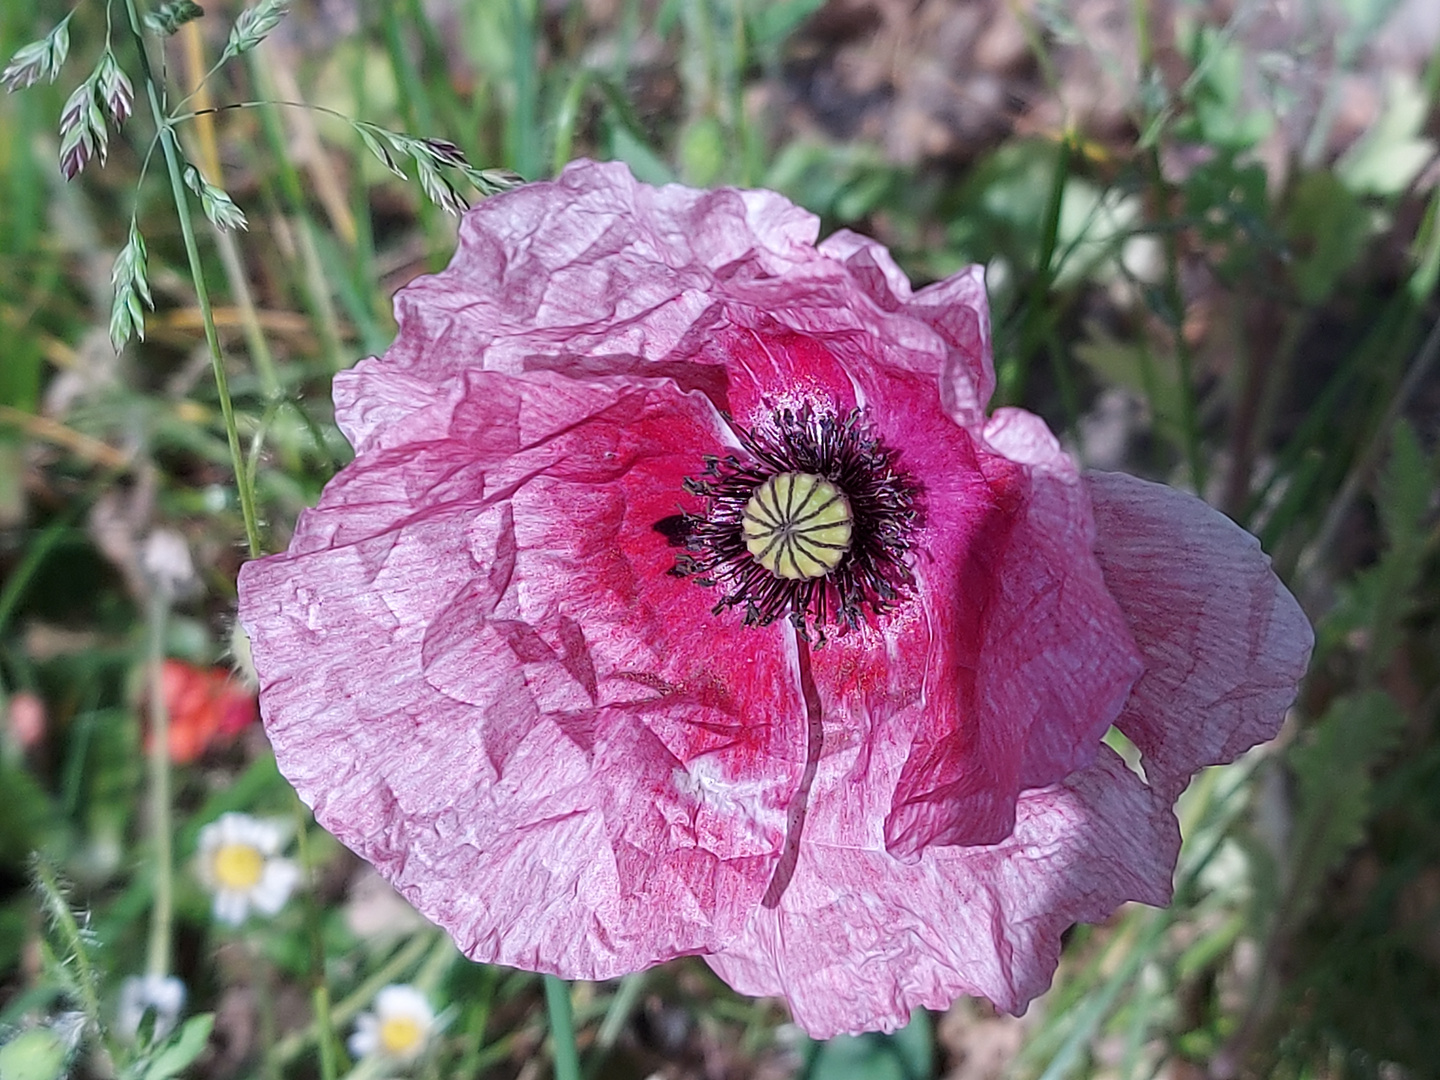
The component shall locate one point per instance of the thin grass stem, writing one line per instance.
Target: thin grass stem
(320, 991)
(162, 856)
(567, 117)
(1175, 318)
(622, 1004)
(1036, 318)
(225, 242)
(169, 145)
(317, 295)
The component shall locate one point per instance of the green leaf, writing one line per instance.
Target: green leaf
(37, 1054)
(31, 820)
(1327, 228)
(1405, 489)
(1403, 497)
(1228, 202)
(702, 152)
(1386, 160)
(179, 1051)
(1379, 600)
(842, 181)
(1218, 115)
(1425, 251)
(643, 161)
(1333, 785)
(1154, 376)
(771, 23)
(1093, 225)
(909, 1054)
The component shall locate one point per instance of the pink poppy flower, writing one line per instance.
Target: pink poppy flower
(682, 599)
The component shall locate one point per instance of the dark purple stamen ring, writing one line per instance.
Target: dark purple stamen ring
(885, 503)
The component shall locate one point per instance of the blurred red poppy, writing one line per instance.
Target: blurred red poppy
(207, 707)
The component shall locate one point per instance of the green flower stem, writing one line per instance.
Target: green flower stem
(627, 996)
(329, 1062)
(437, 965)
(567, 116)
(264, 978)
(84, 983)
(562, 1029)
(202, 294)
(477, 1020)
(1175, 319)
(404, 959)
(320, 992)
(162, 906)
(225, 244)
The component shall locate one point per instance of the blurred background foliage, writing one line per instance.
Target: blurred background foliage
(1212, 246)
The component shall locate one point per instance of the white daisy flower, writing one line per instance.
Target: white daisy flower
(165, 994)
(398, 1028)
(240, 864)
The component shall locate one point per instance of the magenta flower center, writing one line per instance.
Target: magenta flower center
(816, 525)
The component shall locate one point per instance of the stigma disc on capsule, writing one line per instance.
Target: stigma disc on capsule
(798, 525)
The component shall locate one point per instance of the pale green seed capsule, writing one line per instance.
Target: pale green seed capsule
(798, 525)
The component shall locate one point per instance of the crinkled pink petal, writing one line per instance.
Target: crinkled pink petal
(1069, 630)
(595, 275)
(956, 309)
(1051, 664)
(1011, 659)
(860, 939)
(477, 670)
(872, 267)
(1224, 642)
(596, 266)
(1012, 663)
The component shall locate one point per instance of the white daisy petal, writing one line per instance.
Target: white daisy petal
(239, 862)
(165, 994)
(398, 1029)
(365, 1039)
(276, 884)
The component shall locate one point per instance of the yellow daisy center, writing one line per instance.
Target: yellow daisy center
(400, 1035)
(238, 866)
(797, 525)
